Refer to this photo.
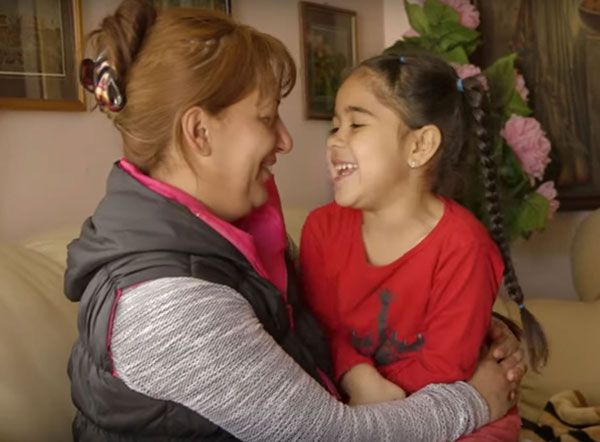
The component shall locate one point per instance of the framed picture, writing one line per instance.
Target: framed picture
(328, 38)
(219, 5)
(40, 47)
(558, 42)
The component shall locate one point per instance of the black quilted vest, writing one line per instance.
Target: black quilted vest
(137, 235)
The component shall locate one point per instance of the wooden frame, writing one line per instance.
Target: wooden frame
(564, 89)
(39, 56)
(219, 5)
(328, 40)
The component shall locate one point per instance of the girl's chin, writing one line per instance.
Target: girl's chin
(344, 200)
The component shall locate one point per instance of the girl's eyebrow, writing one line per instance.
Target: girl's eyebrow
(358, 109)
(351, 109)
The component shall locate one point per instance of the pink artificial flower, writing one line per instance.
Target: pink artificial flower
(529, 143)
(548, 191)
(470, 70)
(469, 15)
(520, 87)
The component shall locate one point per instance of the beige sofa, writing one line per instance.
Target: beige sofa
(38, 327)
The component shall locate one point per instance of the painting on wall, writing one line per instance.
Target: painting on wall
(219, 5)
(328, 38)
(558, 42)
(40, 45)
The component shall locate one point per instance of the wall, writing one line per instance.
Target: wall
(54, 164)
(301, 176)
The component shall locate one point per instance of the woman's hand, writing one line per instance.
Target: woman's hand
(506, 349)
(364, 385)
(491, 382)
(500, 368)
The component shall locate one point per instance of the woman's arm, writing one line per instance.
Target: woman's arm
(201, 345)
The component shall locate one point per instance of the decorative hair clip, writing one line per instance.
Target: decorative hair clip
(99, 78)
(459, 85)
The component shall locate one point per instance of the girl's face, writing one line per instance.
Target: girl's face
(244, 142)
(365, 150)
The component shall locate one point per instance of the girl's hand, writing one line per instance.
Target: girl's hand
(364, 385)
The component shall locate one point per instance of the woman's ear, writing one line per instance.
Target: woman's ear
(428, 140)
(194, 126)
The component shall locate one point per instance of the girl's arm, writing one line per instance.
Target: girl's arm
(457, 320)
(203, 347)
(320, 296)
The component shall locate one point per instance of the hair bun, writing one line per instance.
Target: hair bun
(121, 35)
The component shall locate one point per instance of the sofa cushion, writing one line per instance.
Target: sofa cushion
(37, 329)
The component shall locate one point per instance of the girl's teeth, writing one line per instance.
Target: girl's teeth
(346, 166)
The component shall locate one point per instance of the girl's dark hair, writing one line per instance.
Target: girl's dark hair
(425, 90)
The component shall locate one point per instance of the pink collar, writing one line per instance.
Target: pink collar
(260, 236)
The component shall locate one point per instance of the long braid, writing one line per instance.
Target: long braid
(534, 335)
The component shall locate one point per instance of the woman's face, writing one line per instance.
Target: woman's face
(244, 142)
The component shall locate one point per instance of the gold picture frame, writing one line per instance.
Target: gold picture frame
(328, 40)
(219, 5)
(40, 50)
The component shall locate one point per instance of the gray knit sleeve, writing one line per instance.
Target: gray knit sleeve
(200, 344)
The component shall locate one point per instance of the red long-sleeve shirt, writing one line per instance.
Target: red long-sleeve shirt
(421, 319)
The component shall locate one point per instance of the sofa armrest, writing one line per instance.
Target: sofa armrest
(572, 329)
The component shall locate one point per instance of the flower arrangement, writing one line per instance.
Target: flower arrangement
(521, 149)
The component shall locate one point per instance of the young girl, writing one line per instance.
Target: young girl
(403, 279)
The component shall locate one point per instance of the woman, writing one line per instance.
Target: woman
(191, 327)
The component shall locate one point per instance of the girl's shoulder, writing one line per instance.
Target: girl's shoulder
(463, 226)
(332, 218)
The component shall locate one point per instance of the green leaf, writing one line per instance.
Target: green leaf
(532, 214)
(516, 105)
(413, 45)
(501, 80)
(417, 18)
(456, 55)
(457, 36)
(439, 13)
(511, 172)
(471, 46)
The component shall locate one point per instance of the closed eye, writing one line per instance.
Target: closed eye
(333, 130)
(268, 120)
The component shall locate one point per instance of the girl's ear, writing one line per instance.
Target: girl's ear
(195, 131)
(427, 141)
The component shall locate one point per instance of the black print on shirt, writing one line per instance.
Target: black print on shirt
(387, 349)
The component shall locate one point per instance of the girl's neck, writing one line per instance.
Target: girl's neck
(391, 231)
(404, 211)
